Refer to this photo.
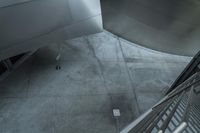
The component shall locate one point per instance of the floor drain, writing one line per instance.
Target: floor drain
(116, 112)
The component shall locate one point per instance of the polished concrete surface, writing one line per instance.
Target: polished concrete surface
(99, 73)
(171, 26)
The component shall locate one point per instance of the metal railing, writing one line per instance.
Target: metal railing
(175, 113)
(191, 68)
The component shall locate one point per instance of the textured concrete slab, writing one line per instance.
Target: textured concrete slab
(151, 72)
(70, 50)
(16, 85)
(87, 123)
(86, 114)
(116, 78)
(133, 52)
(27, 115)
(128, 107)
(106, 46)
(98, 73)
(74, 78)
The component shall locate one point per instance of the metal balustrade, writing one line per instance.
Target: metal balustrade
(191, 68)
(175, 113)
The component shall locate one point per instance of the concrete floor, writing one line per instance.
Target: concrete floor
(98, 73)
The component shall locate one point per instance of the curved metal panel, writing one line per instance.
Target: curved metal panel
(171, 26)
(30, 24)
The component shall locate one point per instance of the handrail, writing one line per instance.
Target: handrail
(144, 123)
(180, 88)
(164, 126)
(187, 72)
(188, 105)
(160, 116)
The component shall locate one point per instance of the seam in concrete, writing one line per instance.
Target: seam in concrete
(129, 75)
(102, 77)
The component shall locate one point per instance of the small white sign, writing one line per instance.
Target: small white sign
(116, 112)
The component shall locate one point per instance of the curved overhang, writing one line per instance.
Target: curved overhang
(30, 24)
(171, 26)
